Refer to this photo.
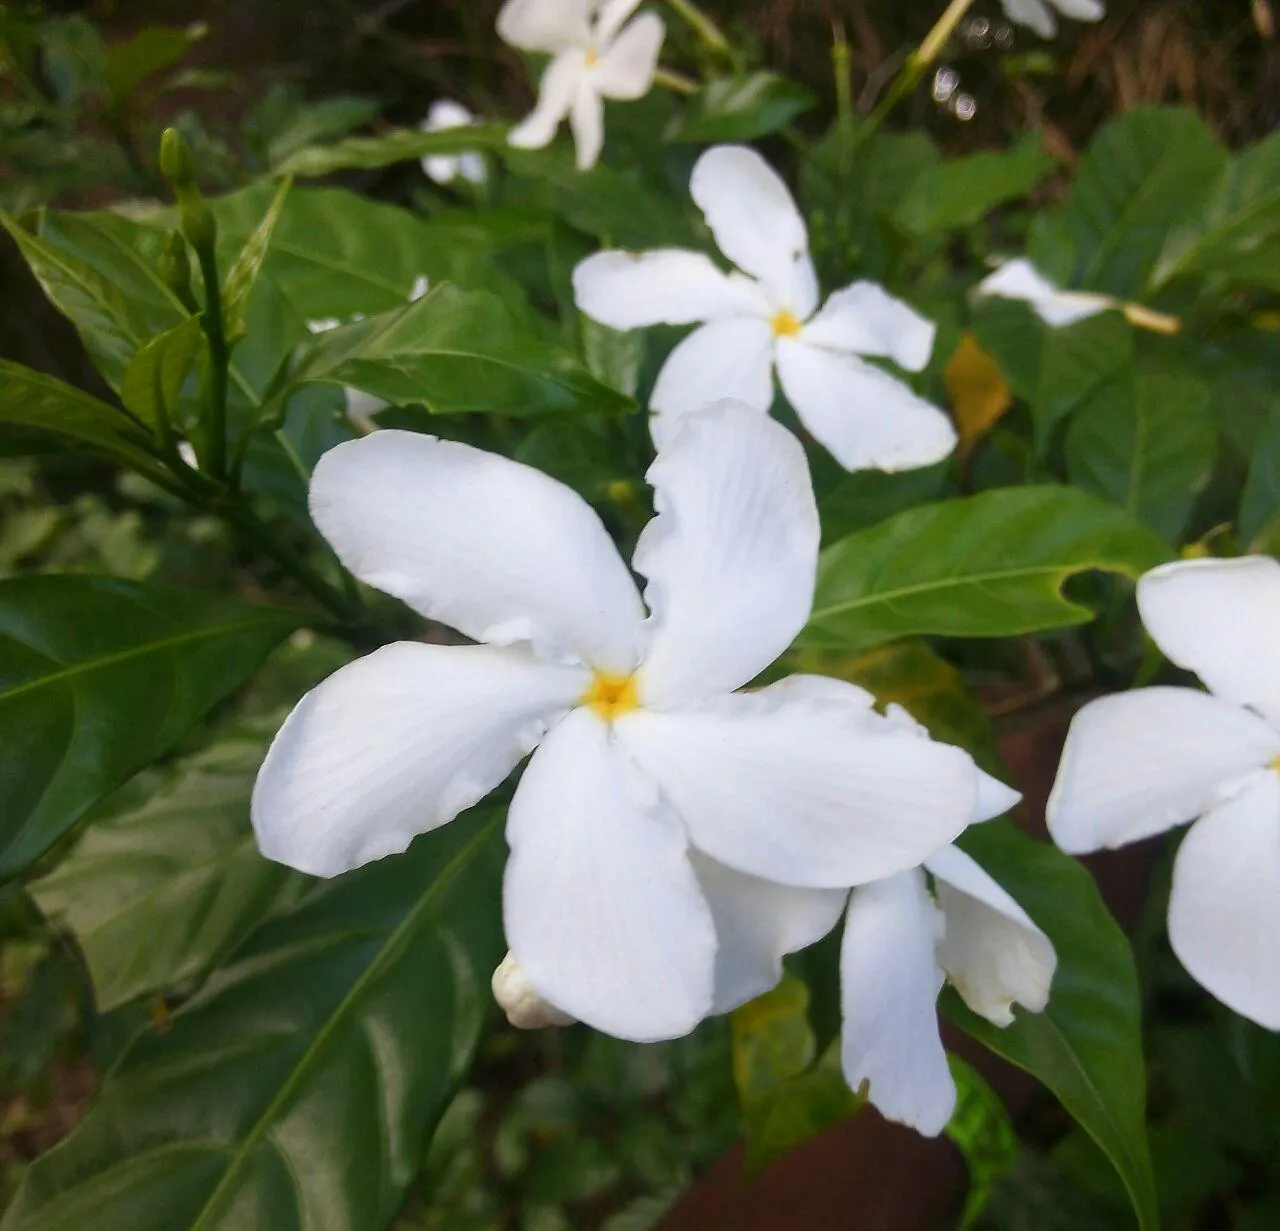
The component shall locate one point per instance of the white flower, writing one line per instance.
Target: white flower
(902, 940)
(763, 315)
(444, 168)
(1019, 279)
(596, 54)
(1038, 14)
(644, 751)
(519, 1000)
(1139, 763)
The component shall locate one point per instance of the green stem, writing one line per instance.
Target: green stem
(703, 26)
(677, 83)
(840, 65)
(219, 361)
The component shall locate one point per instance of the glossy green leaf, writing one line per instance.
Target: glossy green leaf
(298, 1088)
(1087, 1044)
(740, 108)
(398, 145)
(981, 1130)
(992, 565)
(100, 677)
(1145, 441)
(243, 271)
(153, 381)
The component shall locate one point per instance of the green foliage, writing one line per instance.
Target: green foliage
(153, 382)
(740, 108)
(982, 1131)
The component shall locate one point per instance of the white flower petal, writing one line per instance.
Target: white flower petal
(1220, 619)
(586, 119)
(730, 556)
(545, 25)
(801, 792)
(731, 358)
(667, 286)
(398, 743)
(1034, 14)
(864, 319)
(520, 1001)
(1138, 763)
(493, 548)
(1081, 10)
(863, 416)
(472, 168)
(1224, 910)
(626, 70)
(445, 113)
(361, 405)
(756, 224)
(559, 87)
(1019, 279)
(610, 16)
(441, 168)
(991, 951)
(757, 923)
(994, 798)
(601, 905)
(889, 985)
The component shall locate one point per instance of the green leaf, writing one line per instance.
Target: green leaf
(1145, 441)
(282, 124)
(455, 352)
(992, 565)
(982, 1131)
(100, 677)
(153, 381)
(152, 48)
(1261, 501)
(243, 271)
(299, 1087)
(740, 108)
(398, 145)
(1087, 1044)
(961, 191)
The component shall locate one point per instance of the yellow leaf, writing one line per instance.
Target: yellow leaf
(979, 395)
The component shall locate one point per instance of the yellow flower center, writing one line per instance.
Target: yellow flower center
(593, 57)
(611, 695)
(785, 324)
(1276, 765)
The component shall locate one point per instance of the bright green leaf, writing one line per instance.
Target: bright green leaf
(243, 271)
(153, 381)
(398, 145)
(981, 1130)
(740, 108)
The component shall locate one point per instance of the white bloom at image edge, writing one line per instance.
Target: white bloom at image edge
(1038, 15)
(657, 793)
(1139, 763)
(1019, 279)
(596, 53)
(765, 315)
(445, 168)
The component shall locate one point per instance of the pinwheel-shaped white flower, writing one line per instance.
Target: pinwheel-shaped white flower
(596, 54)
(764, 315)
(644, 751)
(1139, 763)
(445, 168)
(1019, 279)
(1038, 15)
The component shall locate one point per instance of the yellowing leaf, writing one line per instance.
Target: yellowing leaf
(979, 395)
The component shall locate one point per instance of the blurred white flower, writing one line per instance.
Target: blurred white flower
(645, 752)
(1038, 15)
(765, 315)
(1019, 279)
(596, 53)
(1139, 763)
(444, 168)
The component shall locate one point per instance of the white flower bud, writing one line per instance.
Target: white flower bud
(525, 1009)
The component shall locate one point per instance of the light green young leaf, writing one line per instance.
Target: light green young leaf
(398, 145)
(152, 384)
(243, 272)
(981, 1130)
(740, 108)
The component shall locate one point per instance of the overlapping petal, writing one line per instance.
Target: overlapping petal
(1220, 619)
(730, 556)
(545, 25)
(496, 549)
(730, 358)
(611, 16)
(864, 319)
(586, 121)
(625, 71)
(396, 744)
(1138, 763)
(1019, 279)
(602, 909)
(560, 85)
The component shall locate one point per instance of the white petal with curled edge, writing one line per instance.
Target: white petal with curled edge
(757, 923)
(666, 286)
(1081, 10)
(864, 417)
(611, 15)
(626, 70)
(1220, 619)
(398, 743)
(730, 556)
(586, 119)
(520, 1001)
(1019, 279)
(864, 319)
(1224, 909)
(561, 81)
(491, 547)
(1034, 14)
(992, 953)
(756, 224)
(1138, 763)
(889, 985)
(545, 25)
(602, 908)
(800, 792)
(730, 358)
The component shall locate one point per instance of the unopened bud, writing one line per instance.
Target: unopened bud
(175, 264)
(525, 1009)
(177, 163)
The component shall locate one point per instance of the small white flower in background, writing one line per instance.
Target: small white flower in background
(1019, 279)
(445, 168)
(650, 771)
(765, 315)
(1038, 15)
(1139, 763)
(596, 54)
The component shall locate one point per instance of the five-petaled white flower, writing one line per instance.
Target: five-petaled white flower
(1139, 763)
(1038, 14)
(596, 54)
(767, 315)
(1019, 279)
(651, 775)
(445, 168)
